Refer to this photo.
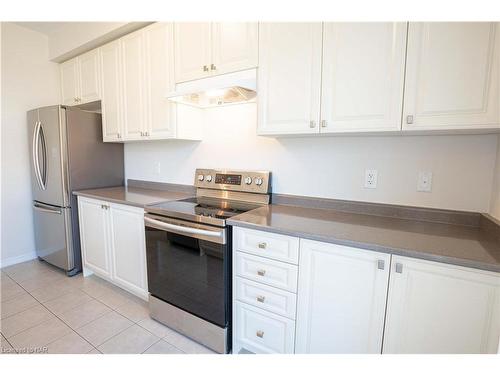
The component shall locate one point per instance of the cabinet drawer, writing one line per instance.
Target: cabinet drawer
(265, 297)
(259, 331)
(269, 272)
(269, 245)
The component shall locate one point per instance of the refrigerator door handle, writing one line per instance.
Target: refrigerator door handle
(48, 209)
(43, 175)
(34, 151)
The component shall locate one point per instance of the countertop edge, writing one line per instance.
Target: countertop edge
(372, 247)
(113, 200)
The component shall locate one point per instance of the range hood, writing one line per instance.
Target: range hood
(225, 89)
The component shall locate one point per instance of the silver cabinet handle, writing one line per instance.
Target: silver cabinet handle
(259, 334)
(118, 135)
(380, 264)
(146, 134)
(399, 267)
(213, 67)
(409, 119)
(261, 272)
(142, 134)
(205, 68)
(261, 299)
(324, 124)
(262, 245)
(312, 124)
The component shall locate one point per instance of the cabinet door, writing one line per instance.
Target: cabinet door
(69, 82)
(159, 40)
(192, 50)
(341, 299)
(128, 250)
(452, 76)
(89, 77)
(289, 78)
(440, 308)
(110, 62)
(94, 236)
(234, 46)
(363, 76)
(133, 87)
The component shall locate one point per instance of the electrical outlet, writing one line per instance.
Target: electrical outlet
(424, 182)
(371, 179)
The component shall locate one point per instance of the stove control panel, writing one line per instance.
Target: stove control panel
(245, 181)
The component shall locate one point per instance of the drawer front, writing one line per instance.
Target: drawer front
(265, 297)
(266, 271)
(259, 331)
(269, 245)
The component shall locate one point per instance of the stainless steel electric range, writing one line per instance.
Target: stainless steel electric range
(188, 247)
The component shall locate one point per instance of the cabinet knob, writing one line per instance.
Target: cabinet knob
(213, 67)
(312, 124)
(262, 245)
(259, 334)
(380, 264)
(75, 100)
(118, 135)
(409, 119)
(399, 267)
(261, 272)
(261, 299)
(146, 134)
(205, 68)
(324, 124)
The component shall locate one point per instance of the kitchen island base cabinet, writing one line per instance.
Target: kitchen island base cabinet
(440, 308)
(113, 244)
(341, 299)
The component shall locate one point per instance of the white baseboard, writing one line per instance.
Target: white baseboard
(17, 259)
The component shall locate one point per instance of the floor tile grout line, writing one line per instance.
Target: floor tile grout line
(157, 341)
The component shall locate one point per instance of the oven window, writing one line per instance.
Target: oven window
(187, 273)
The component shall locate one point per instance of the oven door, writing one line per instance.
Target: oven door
(188, 266)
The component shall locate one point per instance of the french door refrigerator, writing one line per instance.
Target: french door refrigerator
(67, 154)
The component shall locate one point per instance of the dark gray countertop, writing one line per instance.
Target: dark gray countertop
(133, 196)
(468, 246)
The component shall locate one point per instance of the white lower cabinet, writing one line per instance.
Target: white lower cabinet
(349, 300)
(341, 299)
(441, 308)
(113, 243)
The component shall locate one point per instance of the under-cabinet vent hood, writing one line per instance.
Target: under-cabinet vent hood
(231, 88)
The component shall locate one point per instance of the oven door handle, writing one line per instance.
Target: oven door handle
(179, 228)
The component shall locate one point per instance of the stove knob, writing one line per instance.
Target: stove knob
(258, 181)
(200, 177)
(208, 178)
(248, 180)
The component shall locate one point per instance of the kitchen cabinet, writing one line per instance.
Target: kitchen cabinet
(80, 79)
(94, 236)
(111, 106)
(363, 76)
(440, 308)
(289, 79)
(341, 299)
(204, 49)
(128, 255)
(113, 243)
(452, 76)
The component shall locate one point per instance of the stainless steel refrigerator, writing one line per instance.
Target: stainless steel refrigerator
(67, 154)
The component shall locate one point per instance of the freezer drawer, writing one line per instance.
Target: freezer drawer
(53, 235)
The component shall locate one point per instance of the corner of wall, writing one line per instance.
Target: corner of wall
(495, 195)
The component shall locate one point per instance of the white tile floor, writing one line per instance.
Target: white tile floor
(43, 311)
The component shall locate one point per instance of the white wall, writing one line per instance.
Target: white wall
(28, 80)
(331, 167)
(495, 197)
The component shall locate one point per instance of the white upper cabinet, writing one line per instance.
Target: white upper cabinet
(289, 78)
(133, 86)
(452, 76)
(90, 79)
(192, 50)
(438, 308)
(341, 299)
(363, 76)
(204, 49)
(234, 46)
(159, 64)
(111, 91)
(69, 82)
